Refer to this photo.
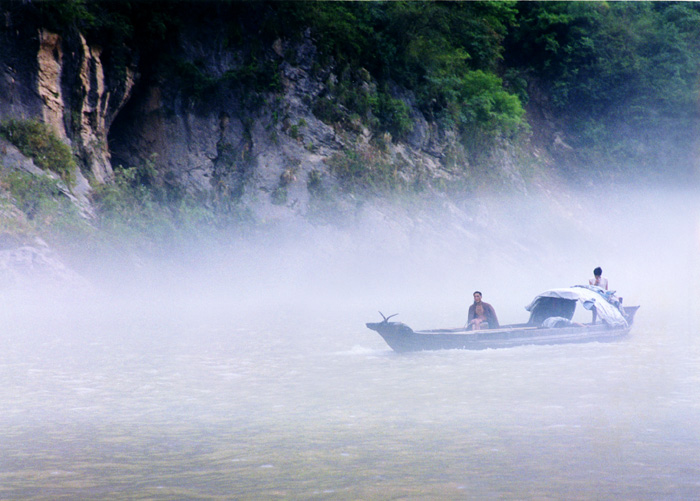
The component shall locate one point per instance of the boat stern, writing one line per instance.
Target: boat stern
(628, 312)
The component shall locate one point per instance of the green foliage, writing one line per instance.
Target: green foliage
(440, 49)
(425, 48)
(60, 15)
(279, 195)
(294, 131)
(477, 102)
(37, 141)
(437, 50)
(258, 75)
(614, 68)
(394, 115)
(620, 78)
(136, 209)
(314, 182)
(130, 210)
(345, 31)
(44, 206)
(193, 79)
(363, 169)
(616, 75)
(33, 195)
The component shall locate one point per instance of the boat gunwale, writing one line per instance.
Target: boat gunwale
(401, 338)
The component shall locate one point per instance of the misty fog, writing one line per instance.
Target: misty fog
(424, 260)
(243, 369)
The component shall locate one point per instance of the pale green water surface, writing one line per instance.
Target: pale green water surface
(302, 406)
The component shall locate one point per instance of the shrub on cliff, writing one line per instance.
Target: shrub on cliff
(37, 141)
(446, 54)
(39, 208)
(134, 210)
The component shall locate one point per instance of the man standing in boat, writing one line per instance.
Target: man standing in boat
(481, 315)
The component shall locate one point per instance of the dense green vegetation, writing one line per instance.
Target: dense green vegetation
(622, 76)
(446, 55)
(619, 78)
(36, 140)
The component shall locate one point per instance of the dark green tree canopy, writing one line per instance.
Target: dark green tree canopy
(618, 76)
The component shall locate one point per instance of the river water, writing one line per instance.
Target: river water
(257, 379)
(304, 404)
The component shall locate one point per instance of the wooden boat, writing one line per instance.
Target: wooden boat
(550, 323)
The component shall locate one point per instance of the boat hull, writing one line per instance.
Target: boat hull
(401, 338)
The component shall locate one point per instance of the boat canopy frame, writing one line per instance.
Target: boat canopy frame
(562, 303)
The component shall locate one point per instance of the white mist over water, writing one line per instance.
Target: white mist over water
(245, 371)
(509, 248)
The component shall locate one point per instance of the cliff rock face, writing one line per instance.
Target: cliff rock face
(259, 146)
(60, 81)
(19, 68)
(96, 109)
(50, 64)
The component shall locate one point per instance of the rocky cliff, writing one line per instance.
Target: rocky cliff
(237, 119)
(206, 125)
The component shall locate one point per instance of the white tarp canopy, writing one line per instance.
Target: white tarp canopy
(589, 298)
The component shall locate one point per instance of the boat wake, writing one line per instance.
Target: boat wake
(361, 350)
